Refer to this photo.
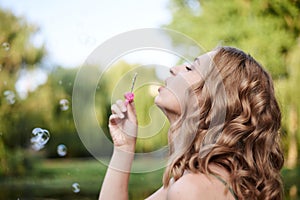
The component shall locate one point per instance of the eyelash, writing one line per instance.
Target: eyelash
(188, 68)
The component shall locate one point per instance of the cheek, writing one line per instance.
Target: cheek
(193, 78)
(178, 87)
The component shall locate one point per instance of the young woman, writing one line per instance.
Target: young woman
(224, 136)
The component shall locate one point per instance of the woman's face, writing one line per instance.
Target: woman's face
(171, 96)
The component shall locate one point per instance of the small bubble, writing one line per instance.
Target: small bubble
(76, 187)
(6, 46)
(4, 82)
(60, 82)
(9, 96)
(36, 131)
(64, 104)
(39, 139)
(61, 150)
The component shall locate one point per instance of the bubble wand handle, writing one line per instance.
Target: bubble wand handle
(129, 96)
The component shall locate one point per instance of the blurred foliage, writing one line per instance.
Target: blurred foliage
(17, 49)
(17, 53)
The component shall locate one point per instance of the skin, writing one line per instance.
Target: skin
(123, 129)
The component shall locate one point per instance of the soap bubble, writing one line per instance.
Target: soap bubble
(6, 46)
(61, 150)
(40, 138)
(76, 187)
(9, 96)
(64, 104)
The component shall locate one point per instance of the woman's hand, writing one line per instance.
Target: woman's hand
(123, 125)
(123, 130)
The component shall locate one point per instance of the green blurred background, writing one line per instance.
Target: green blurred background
(268, 29)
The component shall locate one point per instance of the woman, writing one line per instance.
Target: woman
(224, 134)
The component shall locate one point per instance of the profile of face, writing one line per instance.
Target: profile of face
(171, 96)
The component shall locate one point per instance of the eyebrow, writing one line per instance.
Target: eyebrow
(197, 60)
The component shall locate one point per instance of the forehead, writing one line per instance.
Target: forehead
(203, 63)
(207, 56)
(205, 59)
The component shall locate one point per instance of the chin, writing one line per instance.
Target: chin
(160, 103)
(167, 106)
(157, 101)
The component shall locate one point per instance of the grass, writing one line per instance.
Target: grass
(291, 179)
(53, 179)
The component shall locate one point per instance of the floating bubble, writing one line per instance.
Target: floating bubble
(61, 150)
(60, 82)
(9, 96)
(39, 139)
(64, 104)
(6, 46)
(76, 187)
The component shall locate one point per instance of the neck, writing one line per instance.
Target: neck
(172, 117)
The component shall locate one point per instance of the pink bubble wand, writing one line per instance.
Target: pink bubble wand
(129, 96)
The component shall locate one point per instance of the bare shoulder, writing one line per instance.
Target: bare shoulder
(197, 186)
(160, 194)
(190, 186)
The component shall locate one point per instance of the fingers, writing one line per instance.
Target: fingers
(122, 110)
(119, 109)
(114, 119)
(121, 105)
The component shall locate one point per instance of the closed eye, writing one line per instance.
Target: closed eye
(188, 68)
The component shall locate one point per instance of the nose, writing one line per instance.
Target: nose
(172, 71)
(176, 69)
